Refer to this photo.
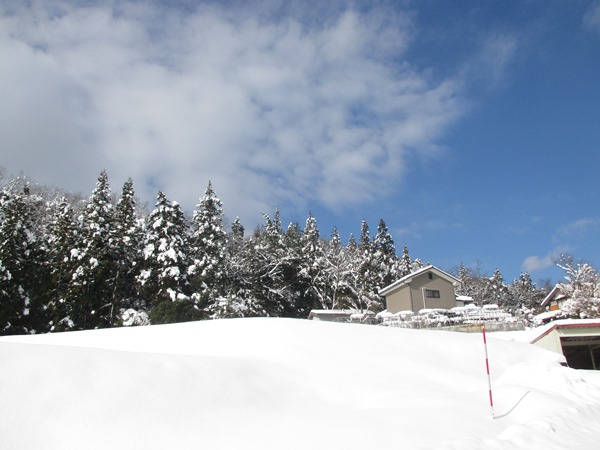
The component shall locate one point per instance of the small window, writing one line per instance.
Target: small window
(431, 293)
(430, 276)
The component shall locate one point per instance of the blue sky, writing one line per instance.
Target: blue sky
(471, 127)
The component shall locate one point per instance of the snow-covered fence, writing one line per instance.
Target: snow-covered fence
(455, 319)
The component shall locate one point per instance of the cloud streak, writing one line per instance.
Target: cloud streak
(275, 111)
(578, 227)
(591, 18)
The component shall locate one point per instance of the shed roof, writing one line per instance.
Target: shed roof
(566, 324)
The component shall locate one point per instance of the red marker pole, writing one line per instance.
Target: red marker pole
(487, 366)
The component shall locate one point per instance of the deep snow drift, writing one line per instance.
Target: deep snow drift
(288, 384)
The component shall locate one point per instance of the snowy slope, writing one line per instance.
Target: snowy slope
(293, 384)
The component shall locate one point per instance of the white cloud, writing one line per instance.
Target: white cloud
(591, 18)
(533, 264)
(273, 111)
(578, 227)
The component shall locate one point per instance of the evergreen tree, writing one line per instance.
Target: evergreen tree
(496, 291)
(18, 264)
(238, 300)
(259, 276)
(237, 232)
(294, 303)
(526, 296)
(366, 280)
(208, 247)
(352, 245)
(61, 259)
(126, 250)
(339, 271)
(163, 278)
(406, 264)
(464, 276)
(263, 271)
(91, 281)
(386, 260)
(312, 269)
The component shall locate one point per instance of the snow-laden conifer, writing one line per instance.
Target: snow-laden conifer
(313, 268)
(19, 250)
(406, 263)
(163, 277)
(126, 248)
(208, 250)
(339, 271)
(62, 234)
(386, 260)
(94, 264)
(367, 276)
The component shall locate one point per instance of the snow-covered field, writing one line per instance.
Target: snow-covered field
(288, 384)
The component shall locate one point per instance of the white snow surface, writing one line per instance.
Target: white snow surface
(288, 384)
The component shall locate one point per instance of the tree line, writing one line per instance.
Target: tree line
(68, 263)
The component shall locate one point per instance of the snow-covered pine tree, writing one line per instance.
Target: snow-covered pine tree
(163, 278)
(237, 232)
(295, 304)
(496, 291)
(351, 298)
(90, 285)
(126, 248)
(367, 279)
(273, 229)
(245, 293)
(234, 262)
(526, 297)
(464, 275)
(386, 259)
(406, 263)
(339, 271)
(267, 264)
(62, 234)
(236, 289)
(208, 252)
(312, 270)
(19, 264)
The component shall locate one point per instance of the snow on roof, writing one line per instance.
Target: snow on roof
(564, 323)
(554, 293)
(548, 315)
(408, 278)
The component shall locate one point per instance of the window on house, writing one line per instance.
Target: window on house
(432, 293)
(430, 276)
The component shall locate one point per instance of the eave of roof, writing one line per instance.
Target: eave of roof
(550, 296)
(566, 323)
(408, 278)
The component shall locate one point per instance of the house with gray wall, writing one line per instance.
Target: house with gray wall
(426, 288)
